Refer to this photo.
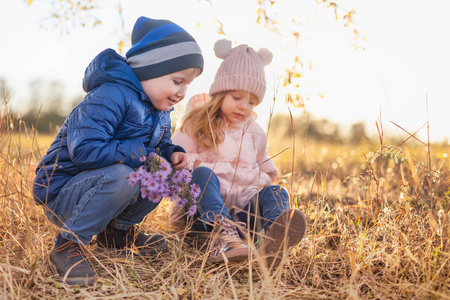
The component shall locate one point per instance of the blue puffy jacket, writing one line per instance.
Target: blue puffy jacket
(115, 120)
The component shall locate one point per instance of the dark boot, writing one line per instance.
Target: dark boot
(67, 259)
(144, 244)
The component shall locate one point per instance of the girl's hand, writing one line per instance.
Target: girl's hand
(197, 163)
(179, 159)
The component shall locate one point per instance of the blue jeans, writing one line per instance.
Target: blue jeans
(92, 199)
(271, 201)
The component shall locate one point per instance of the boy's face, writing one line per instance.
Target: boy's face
(166, 91)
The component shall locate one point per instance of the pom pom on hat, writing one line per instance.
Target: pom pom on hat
(222, 48)
(265, 55)
(242, 69)
(161, 47)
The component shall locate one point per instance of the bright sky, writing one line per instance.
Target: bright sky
(405, 61)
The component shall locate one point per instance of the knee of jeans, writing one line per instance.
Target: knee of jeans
(201, 171)
(118, 172)
(282, 190)
(275, 192)
(116, 176)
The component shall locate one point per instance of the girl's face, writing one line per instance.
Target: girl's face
(166, 91)
(237, 106)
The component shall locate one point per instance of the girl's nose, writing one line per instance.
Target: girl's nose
(243, 105)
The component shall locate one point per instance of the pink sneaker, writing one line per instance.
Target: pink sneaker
(286, 231)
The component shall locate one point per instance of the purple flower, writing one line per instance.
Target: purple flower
(165, 167)
(171, 194)
(140, 172)
(133, 179)
(181, 202)
(195, 191)
(192, 210)
(146, 176)
(177, 177)
(164, 186)
(176, 188)
(159, 180)
(186, 175)
(144, 192)
(155, 197)
(152, 184)
(161, 176)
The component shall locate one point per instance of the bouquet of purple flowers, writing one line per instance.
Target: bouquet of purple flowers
(159, 180)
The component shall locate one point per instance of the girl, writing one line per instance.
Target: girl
(227, 150)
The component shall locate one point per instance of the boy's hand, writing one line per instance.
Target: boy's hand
(179, 159)
(159, 158)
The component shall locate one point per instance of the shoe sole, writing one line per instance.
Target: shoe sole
(237, 255)
(283, 238)
(73, 280)
(152, 251)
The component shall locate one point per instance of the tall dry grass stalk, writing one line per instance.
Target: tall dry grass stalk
(377, 228)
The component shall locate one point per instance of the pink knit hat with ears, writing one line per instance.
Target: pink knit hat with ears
(242, 69)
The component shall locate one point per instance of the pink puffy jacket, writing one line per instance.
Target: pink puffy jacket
(240, 165)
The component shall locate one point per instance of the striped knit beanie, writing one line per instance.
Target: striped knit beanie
(242, 69)
(161, 47)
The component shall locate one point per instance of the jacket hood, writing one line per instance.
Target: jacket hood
(110, 67)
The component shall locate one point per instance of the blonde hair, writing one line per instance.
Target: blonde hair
(205, 123)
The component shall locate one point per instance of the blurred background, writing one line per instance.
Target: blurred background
(339, 67)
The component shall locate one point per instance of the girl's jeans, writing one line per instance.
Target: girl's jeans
(92, 199)
(272, 201)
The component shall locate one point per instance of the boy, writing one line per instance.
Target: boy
(81, 181)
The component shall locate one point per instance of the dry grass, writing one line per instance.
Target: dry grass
(377, 229)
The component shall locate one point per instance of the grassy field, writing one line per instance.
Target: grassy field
(377, 217)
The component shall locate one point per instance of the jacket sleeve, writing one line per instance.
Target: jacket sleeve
(91, 128)
(189, 144)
